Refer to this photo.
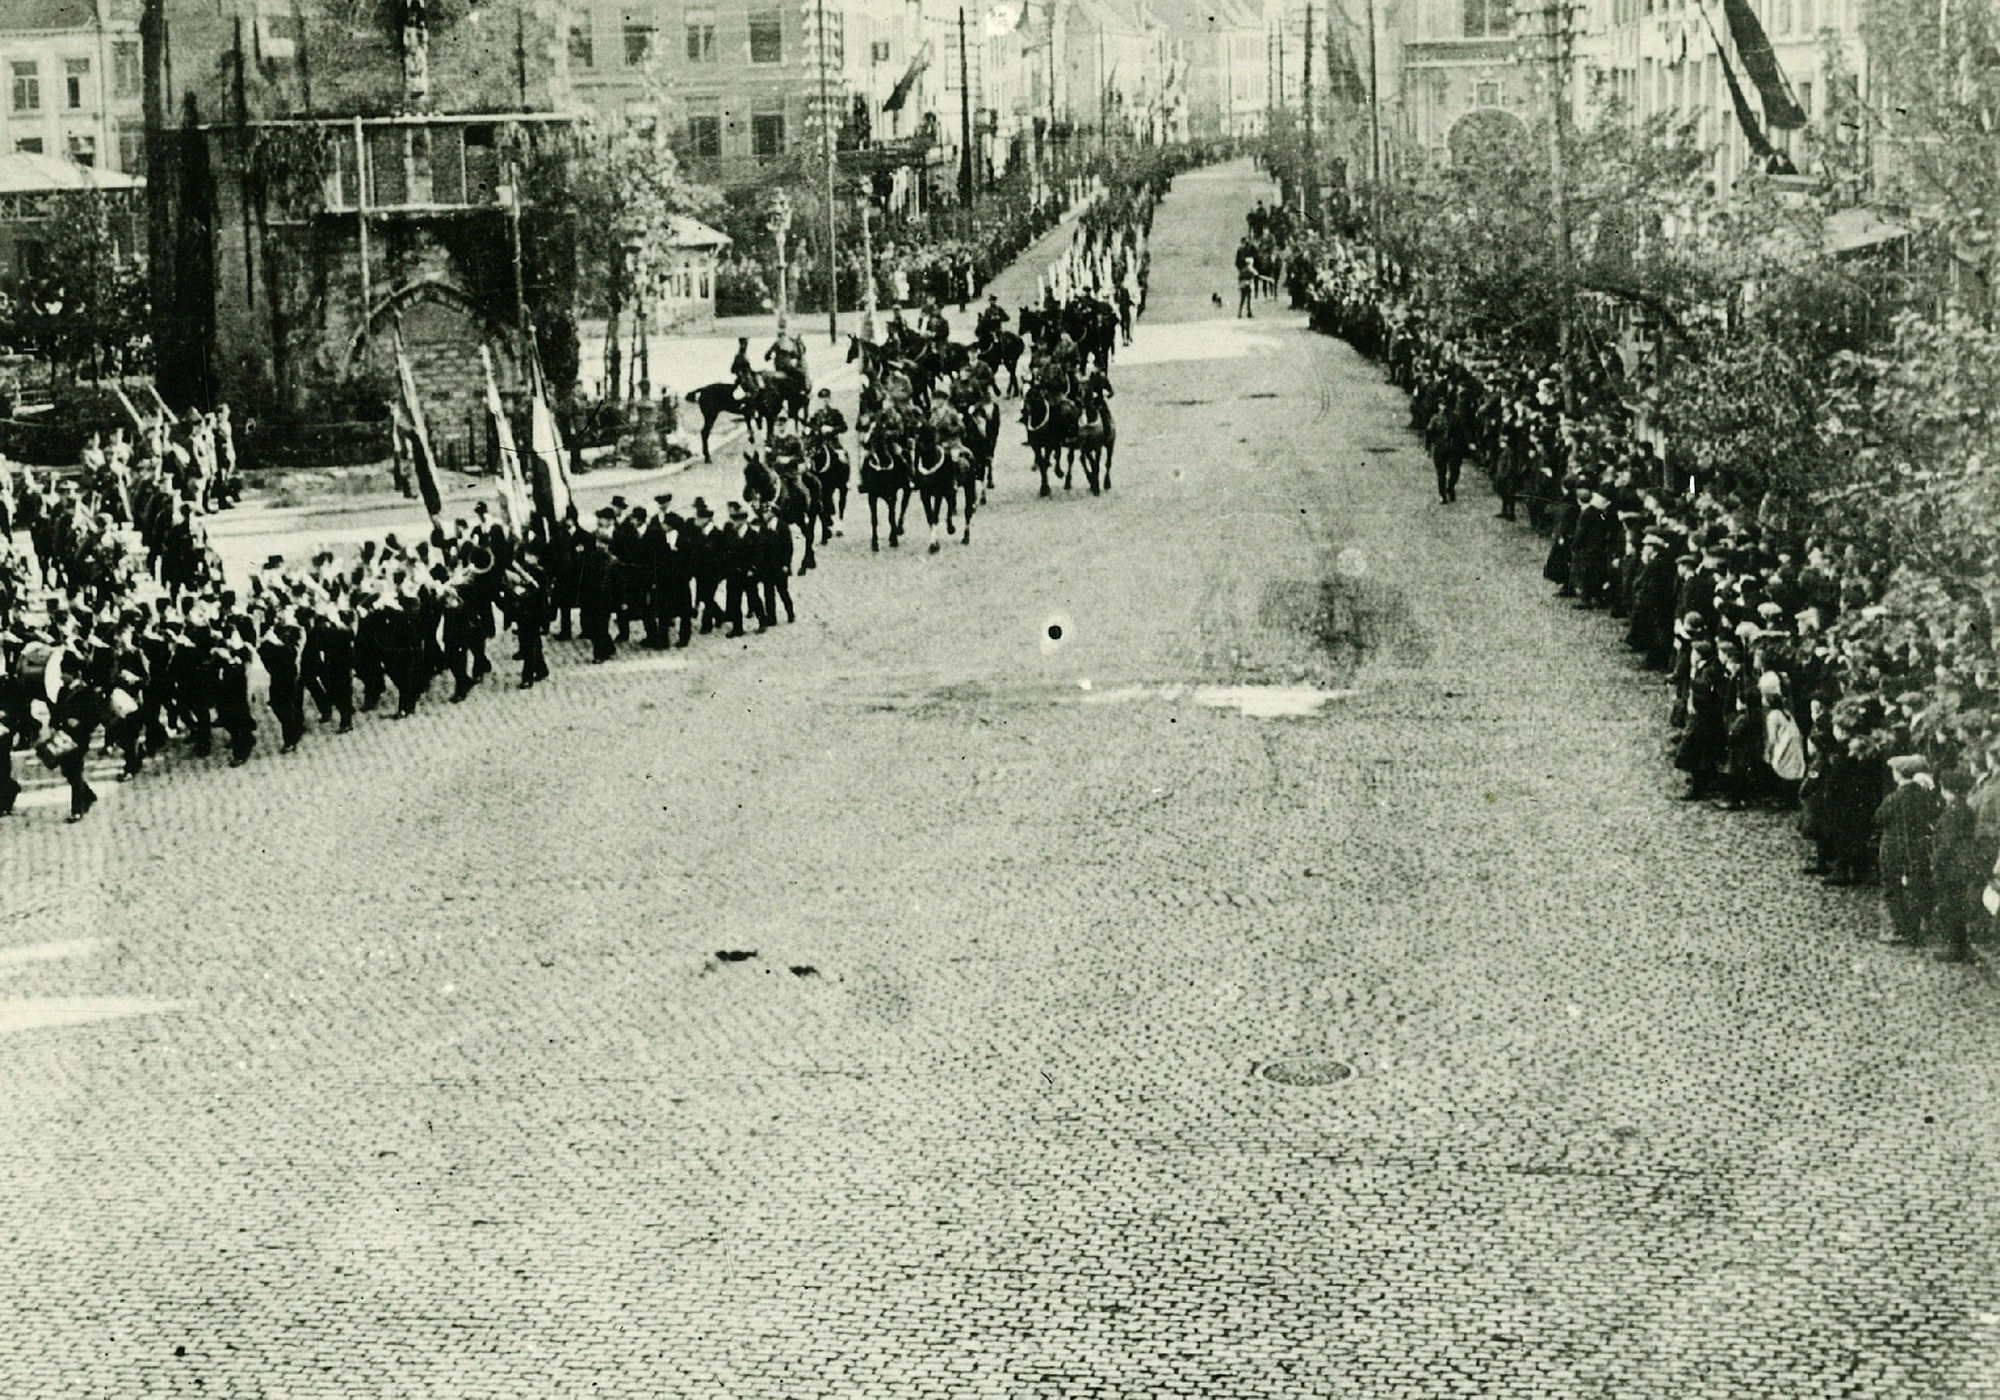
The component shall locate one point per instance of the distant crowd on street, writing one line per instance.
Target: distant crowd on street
(1734, 601)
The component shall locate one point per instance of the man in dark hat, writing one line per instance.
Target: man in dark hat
(596, 596)
(773, 563)
(704, 547)
(739, 571)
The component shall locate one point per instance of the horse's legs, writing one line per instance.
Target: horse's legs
(965, 537)
(874, 529)
(1110, 447)
(933, 509)
(806, 532)
(707, 424)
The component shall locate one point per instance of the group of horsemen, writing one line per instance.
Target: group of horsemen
(929, 413)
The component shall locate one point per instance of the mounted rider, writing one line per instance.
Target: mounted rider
(992, 318)
(936, 328)
(742, 371)
(787, 355)
(824, 428)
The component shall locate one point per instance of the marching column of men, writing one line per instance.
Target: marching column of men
(99, 663)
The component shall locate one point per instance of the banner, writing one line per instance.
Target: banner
(546, 445)
(513, 487)
(422, 461)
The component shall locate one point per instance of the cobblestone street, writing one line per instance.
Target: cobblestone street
(900, 1003)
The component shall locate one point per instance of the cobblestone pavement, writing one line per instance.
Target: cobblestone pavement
(411, 1065)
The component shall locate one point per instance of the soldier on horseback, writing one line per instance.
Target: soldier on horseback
(824, 429)
(992, 318)
(742, 371)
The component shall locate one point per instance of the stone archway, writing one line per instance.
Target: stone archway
(442, 330)
(1486, 134)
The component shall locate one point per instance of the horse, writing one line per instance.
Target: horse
(793, 497)
(1002, 350)
(943, 471)
(1051, 420)
(762, 408)
(1094, 442)
(827, 464)
(885, 479)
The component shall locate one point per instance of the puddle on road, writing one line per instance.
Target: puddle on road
(1253, 701)
(37, 1013)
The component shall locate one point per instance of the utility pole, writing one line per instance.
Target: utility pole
(826, 135)
(1556, 42)
(1309, 183)
(964, 125)
(1374, 103)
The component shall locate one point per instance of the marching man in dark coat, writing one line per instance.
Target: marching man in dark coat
(596, 592)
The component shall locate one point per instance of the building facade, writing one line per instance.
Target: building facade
(320, 185)
(1664, 56)
(73, 81)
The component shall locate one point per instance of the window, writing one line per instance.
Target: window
(1805, 99)
(582, 52)
(27, 87)
(767, 37)
(1488, 19)
(29, 145)
(125, 78)
(76, 77)
(1486, 95)
(705, 136)
(638, 39)
(83, 150)
(878, 52)
(132, 148)
(700, 34)
(767, 135)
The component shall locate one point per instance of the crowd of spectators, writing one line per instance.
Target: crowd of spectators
(1745, 604)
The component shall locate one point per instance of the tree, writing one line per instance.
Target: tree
(1934, 104)
(620, 186)
(84, 307)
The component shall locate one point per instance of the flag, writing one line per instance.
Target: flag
(1781, 109)
(894, 102)
(545, 444)
(1745, 118)
(513, 489)
(420, 438)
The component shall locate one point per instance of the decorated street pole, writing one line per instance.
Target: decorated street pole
(867, 272)
(826, 138)
(781, 224)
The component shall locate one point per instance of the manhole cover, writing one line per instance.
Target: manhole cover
(1308, 1073)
